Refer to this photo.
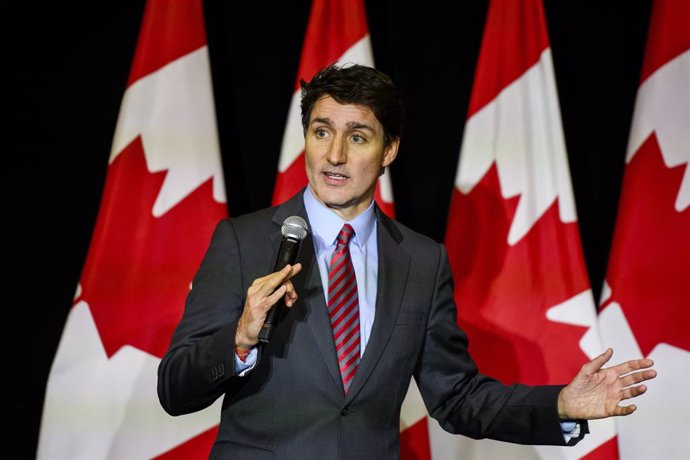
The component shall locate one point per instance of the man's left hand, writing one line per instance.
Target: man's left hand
(596, 392)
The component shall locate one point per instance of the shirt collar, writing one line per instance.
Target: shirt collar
(326, 224)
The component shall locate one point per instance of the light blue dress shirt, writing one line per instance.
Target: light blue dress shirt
(326, 225)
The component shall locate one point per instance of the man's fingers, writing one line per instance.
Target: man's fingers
(296, 269)
(266, 291)
(268, 284)
(631, 392)
(275, 279)
(287, 290)
(637, 377)
(625, 410)
(598, 362)
(276, 295)
(633, 365)
(290, 294)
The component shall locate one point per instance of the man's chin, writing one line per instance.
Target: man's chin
(333, 198)
(335, 204)
(339, 205)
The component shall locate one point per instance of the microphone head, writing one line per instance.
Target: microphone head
(294, 227)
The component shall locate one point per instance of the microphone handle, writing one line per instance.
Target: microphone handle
(287, 255)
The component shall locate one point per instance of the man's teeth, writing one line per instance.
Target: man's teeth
(336, 176)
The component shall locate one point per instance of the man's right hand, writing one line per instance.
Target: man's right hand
(261, 296)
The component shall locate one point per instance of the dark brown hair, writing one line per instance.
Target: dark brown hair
(360, 85)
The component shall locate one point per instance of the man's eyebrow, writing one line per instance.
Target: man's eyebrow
(358, 125)
(349, 124)
(326, 121)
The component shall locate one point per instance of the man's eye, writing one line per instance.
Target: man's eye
(321, 133)
(357, 139)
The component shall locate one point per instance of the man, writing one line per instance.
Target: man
(331, 381)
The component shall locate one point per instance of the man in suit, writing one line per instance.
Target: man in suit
(331, 381)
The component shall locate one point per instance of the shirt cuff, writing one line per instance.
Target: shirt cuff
(243, 367)
(571, 430)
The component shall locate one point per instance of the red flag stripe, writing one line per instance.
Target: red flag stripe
(342, 22)
(495, 69)
(661, 45)
(167, 34)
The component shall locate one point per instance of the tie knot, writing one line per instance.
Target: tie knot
(345, 234)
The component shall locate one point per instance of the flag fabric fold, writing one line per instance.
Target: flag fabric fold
(644, 305)
(164, 193)
(521, 284)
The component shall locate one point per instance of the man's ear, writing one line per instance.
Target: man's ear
(390, 152)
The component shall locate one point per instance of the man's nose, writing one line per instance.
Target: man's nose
(337, 153)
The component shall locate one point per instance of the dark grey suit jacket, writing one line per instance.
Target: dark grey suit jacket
(291, 405)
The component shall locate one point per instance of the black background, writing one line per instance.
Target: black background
(67, 64)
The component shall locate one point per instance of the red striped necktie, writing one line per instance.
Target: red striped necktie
(343, 307)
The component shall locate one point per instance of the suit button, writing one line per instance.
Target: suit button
(345, 412)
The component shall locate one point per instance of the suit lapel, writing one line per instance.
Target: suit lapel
(311, 301)
(316, 314)
(392, 277)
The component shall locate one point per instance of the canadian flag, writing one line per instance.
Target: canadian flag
(646, 297)
(521, 283)
(337, 31)
(163, 195)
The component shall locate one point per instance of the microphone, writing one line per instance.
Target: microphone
(294, 230)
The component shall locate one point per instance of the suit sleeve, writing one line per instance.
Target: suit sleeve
(467, 402)
(199, 365)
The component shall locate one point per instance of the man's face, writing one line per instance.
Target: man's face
(345, 154)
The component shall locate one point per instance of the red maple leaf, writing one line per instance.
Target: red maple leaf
(503, 291)
(650, 256)
(140, 267)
